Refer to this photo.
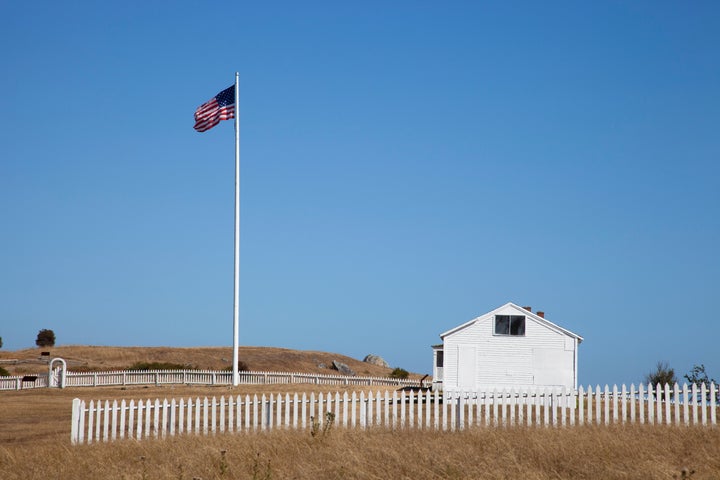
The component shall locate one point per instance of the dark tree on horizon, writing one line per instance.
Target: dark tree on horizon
(45, 338)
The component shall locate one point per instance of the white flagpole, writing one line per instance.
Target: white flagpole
(236, 286)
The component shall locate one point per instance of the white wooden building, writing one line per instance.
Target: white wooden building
(508, 347)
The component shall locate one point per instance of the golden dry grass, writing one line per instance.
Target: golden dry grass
(579, 453)
(216, 358)
(42, 415)
(35, 431)
(35, 440)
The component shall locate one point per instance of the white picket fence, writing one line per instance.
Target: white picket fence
(109, 421)
(198, 377)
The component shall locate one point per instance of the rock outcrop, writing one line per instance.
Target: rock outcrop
(376, 360)
(342, 368)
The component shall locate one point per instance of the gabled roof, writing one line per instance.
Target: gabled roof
(520, 310)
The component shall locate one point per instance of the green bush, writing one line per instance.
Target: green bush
(3, 372)
(400, 373)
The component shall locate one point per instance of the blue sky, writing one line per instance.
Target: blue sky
(406, 167)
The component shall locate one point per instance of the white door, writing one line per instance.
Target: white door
(552, 367)
(467, 367)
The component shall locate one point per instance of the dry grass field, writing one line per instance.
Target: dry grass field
(35, 431)
(35, 444)
(20, 362)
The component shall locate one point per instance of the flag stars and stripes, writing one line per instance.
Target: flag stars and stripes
(220, 107)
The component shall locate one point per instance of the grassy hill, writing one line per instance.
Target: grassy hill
(98, 358)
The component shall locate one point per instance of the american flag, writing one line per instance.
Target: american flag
(220, 107)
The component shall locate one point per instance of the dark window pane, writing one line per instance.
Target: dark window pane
(440, 359)
(502, 324)
(517, 325)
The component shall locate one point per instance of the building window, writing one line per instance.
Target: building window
(439, 359)
(513, 325)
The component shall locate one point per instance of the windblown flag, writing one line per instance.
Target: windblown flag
(220, 107)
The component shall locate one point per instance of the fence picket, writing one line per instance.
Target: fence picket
(139, 420)
(98, 420)
(369, 410)
(411, 409)
(194, 419)
(247, 413)
(263, 411)
(606, 404)
(131, 420)
(181, 416)
(81, 422)
(254, 420)
(156, 418)
(713, 399)
(114, 421)
(590, 405)
(91, 420)
(168, 416)
(378, 408)
(123, 414)
(295, 410)
(189, 416)
(205, 416)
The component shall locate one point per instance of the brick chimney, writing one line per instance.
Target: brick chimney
(529, 309)
(541, 314)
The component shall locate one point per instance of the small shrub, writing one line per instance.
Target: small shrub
(663, 375)
(327, 426)
(257, 473)
(329, 420)
(400, 373)
(223, 463)
(4, 372)
(156, 366)
(242, 367)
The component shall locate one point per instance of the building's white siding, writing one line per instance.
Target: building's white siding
(475, 358)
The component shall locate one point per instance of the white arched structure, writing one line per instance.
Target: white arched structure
(56, 378)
